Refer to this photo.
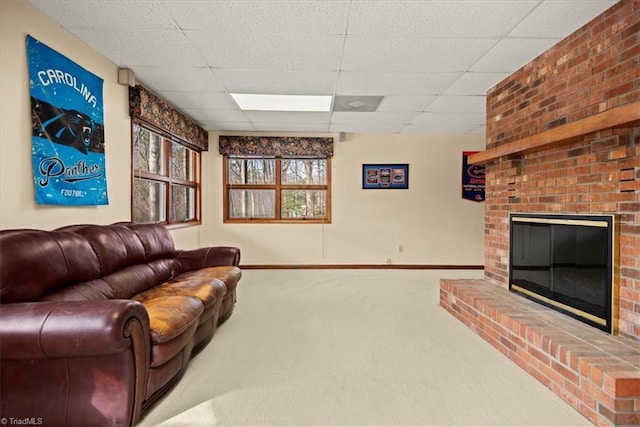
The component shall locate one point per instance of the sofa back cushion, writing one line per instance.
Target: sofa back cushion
(132, 258)
(84, 262)
(155, 239)
(116, 246)
(36, 262)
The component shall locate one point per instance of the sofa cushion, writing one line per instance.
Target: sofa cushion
(36, 262)
(156, 240)
(228, 274)
(173, 321)
(170, 316)
(207, 291)
(116, 246)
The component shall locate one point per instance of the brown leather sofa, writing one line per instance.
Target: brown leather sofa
(99, 321)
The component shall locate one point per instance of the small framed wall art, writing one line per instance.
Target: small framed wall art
(385, 176)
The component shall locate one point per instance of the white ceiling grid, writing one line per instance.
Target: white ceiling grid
(432, 60)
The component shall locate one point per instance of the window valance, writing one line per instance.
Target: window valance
(276, 146)
(156, 111)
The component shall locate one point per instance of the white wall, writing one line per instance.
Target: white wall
(430, 220)
(17, 206)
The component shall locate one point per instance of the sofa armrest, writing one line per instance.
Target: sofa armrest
(208, 257)
(47, 330)
(74, 362)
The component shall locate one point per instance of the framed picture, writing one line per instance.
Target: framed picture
(385, 176)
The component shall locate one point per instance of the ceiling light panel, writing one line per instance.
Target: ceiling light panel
(266, 102)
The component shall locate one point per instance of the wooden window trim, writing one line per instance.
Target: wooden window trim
(166, 178)
(277, 187)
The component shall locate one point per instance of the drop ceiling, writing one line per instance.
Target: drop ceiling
(431, 61)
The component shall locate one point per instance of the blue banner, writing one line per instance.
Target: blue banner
(68, 130)
(473, 179)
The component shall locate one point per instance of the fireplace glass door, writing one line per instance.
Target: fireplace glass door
(565, 262)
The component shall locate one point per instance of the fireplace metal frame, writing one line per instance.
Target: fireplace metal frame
(611, 222)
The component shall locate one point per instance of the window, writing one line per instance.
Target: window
(166, 178)
(270, 189)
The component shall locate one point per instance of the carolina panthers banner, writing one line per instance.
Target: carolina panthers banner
(68, 130)
(473, 179)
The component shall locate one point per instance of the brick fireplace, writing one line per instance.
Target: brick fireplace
(563, 136)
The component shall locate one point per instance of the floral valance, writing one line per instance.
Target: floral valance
(154, 110)
(276, 146)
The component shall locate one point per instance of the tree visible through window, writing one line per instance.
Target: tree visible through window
(277, 190)
(166, 178)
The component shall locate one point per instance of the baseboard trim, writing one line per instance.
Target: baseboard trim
(359, 267)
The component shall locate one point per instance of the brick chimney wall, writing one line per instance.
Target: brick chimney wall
(595, 69)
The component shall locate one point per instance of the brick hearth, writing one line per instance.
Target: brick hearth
(549, 150)
(596, 373)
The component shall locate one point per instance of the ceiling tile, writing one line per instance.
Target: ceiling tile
(473, 119)
(511, 54)
(262, 16)
(200, 99)
(291, 127)
(288, 116)
(475, 83)
(398, 104)
(438, 19)
(152, 48)
(421, 128)
(278, 82)
(315, 52)
(373, 118)
(438, 57)
(242, 50)
(558, 19)
(382, 55)
(458, 104)
(216, 115)
(172, 78)
(223, 126)
(356, 83)
(108, 15)
(366, 127)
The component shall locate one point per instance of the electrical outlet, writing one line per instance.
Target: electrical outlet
(400, 248)
(388, 260)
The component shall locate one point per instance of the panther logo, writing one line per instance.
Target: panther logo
(67, 127)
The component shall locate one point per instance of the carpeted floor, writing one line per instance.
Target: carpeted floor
(353, 347)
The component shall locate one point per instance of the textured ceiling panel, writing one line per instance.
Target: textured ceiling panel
(415, 55)
(458, 104)
(512, 54)
(437, 19)
(475, 83)
(278, 82)
(431, 60)
(360, 82)
(558, 19)
(398, 104)
(173, 78)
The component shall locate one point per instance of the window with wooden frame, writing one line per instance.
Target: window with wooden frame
(277, 179)
(277, 190)
(166, 178)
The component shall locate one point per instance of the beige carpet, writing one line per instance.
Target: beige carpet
(352, 347)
